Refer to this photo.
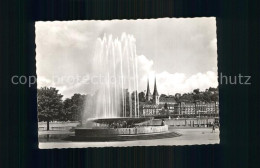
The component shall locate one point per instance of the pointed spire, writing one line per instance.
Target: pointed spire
(148, 93)
(155, 92)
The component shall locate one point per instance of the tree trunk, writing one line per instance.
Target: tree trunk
(48, 125)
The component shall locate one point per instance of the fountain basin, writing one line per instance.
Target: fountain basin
(106, 132)
(127, 120)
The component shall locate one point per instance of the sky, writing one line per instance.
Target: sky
(181, 53)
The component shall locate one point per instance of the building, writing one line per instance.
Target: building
(150, 109)
(184, 108)
(167, 105)
(155, 104)
(155, 94)
(169, 102)
(197, 108)
(148, 95)
(151, 106)
(212, 108)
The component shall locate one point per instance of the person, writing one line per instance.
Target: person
(213, 127)
(163, 122)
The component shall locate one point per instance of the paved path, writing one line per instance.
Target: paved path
(190, 136)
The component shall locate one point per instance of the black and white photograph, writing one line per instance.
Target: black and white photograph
(118, 83)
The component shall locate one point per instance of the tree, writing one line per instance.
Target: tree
(206, 96)
(163, 95)
(165, 110)
(213, 89)
(68, 110)
(186, 98)
(197, 97)
(49, 103)
(214, 97)
(134, 95)
(196, 91)
(77, 106)
(165, 106)
(177, 97)
(141, 97)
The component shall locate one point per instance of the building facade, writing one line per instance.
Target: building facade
(167, 105)
(197, 108)
(151, 106)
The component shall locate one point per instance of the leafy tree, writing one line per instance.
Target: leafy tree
(213, 89)
(165, 110)
(134, 95)
(68, 111)
(214, 97)
(165, 106)
(141, 97)
(163, 95)
(77, 106)
(186, 97)
(197, 97)
(196, 91)
(177, 97)
(206, 96)
(49, 103)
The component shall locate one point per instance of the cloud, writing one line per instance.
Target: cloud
(181, 53)
(43, 81)
(171, 83)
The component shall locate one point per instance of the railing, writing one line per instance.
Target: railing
(55, 128)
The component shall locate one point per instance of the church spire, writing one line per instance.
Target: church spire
(155, 92)
(148, 93)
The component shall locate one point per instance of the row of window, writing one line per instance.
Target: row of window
(206, 108)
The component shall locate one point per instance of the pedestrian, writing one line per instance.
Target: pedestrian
(213, 127)
(163, 123)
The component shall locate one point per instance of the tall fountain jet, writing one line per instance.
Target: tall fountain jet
(115, 65)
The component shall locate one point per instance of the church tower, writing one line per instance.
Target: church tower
(155, 94)
(148, 93)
